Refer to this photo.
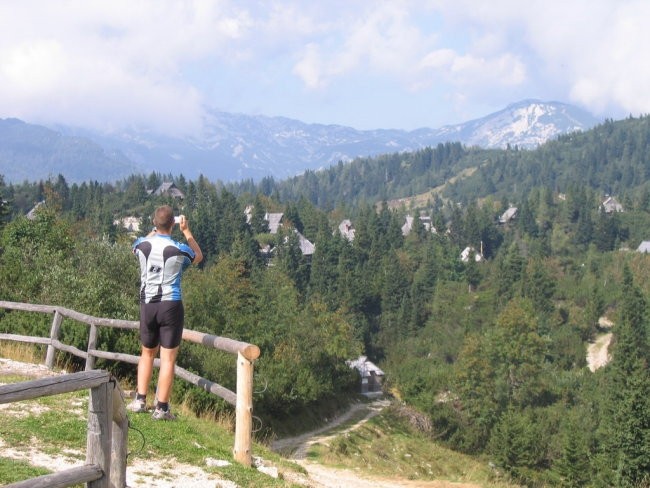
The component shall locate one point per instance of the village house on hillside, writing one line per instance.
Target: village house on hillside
(274, 220)
(508, 215)
(131, 224)
(31, 215)
(169, 189)
(611, 205)
(644, 247)
(371, 376)
(346, 229)
(426, 222)
(467, 254)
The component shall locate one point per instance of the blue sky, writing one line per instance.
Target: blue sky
(364, 63)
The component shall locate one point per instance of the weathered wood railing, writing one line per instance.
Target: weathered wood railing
(246, 356)
(107, 438)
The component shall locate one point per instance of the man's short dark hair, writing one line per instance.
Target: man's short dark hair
(163, 217)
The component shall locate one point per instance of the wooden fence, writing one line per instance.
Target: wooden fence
(108, 426)
(246, 356)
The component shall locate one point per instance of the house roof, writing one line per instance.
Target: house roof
(31, 215)
(347, 229)
(426, 222)
(306, 246)
(132, 224)
(467, 252)
(408, 226)
(508, 215)
(169, 188)
(366, 368)
(611, 204)
(274, 220)
(248, 211)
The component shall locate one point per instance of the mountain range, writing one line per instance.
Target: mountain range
(236, 147)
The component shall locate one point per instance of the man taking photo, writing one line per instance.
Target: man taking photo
(162, 262)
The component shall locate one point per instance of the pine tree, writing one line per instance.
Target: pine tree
(573, 464)
(539, 286)
(5, 203)
(258, 223)
(628, 419)
(510, 272)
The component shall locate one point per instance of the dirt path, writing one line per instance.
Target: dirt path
(296, 447)
(326, 477)
(321, 476)
(598, 352)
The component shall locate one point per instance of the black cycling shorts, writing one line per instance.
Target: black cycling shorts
(161, 324)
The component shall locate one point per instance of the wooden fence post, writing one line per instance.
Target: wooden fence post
(92, 345)
(54, 335)
(244, 411)
(120, 439)
(99, 442)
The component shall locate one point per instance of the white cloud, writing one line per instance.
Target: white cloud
(592, 50)
(33, 68)
(310, 68)
(380, 40)
(109, 64)
(464, 70)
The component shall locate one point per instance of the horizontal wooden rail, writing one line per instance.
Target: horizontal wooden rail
(73, 314)
(249, 351)
(28, 339)
(28, 390)
(69, 477)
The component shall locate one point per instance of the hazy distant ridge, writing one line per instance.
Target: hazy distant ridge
(236, 146)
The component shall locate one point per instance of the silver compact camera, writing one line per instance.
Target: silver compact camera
(177, 219)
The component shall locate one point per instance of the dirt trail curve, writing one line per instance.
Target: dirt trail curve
(598, 354)
(327, 477)
(296, 447)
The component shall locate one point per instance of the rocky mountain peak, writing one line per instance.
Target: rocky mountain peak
(237, 146)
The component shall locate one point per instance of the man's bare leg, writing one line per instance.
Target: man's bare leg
(145, 368)
(166, 375)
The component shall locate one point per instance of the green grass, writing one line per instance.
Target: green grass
(191, 440)
(12, 471)
(387, 446)
(60, 422)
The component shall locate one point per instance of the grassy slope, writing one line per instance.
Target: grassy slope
(388, 446)
(57, 423)
(423, 199)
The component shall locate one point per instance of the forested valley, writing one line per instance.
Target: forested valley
(492, 348)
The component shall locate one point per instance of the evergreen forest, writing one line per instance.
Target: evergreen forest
(492, 348)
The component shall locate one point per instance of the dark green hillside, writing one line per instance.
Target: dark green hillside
(369, 180)
(612, 158)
